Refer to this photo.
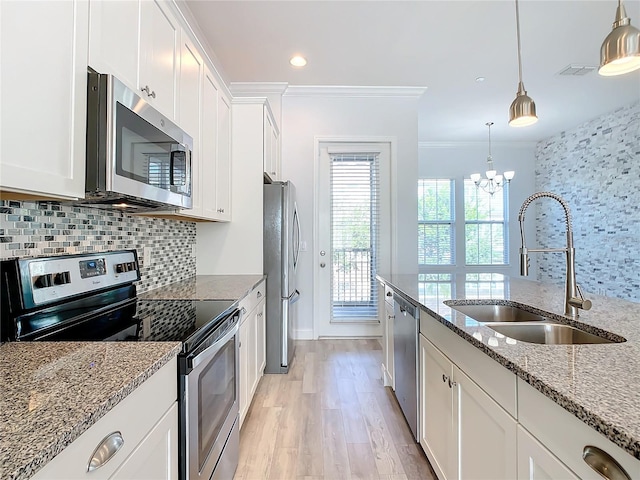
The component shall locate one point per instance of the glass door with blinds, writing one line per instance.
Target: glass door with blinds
(354, 211)
(354, 231)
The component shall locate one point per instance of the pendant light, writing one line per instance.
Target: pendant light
(522, 112)
(620, 51)
(493, 181)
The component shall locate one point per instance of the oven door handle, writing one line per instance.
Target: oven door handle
(210, 351)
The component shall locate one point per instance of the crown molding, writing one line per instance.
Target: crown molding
(348, 91)
(451, 144)
(257, 88)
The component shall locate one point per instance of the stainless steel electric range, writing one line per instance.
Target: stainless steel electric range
(92, 297)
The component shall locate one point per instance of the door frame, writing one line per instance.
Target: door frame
(318, 142)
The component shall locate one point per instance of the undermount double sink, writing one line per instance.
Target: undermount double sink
(514, 322)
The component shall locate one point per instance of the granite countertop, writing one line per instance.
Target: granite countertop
(599, 384)
(206, 287)
(53, 391)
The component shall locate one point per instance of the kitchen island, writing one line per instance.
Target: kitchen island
(597, 383)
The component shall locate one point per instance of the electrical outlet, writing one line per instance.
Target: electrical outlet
(146, 256)
(193, 250)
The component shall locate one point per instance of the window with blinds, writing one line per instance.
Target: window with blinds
(354, 213)
(436, 220)
(486, 225)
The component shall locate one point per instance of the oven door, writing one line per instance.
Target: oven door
(211, 405)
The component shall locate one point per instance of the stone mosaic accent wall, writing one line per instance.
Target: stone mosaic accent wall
(596, 168)
(32, 229)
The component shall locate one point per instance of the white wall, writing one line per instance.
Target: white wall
(458, 161)
(306, 117)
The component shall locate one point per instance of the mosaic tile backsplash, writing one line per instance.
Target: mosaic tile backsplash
(33, 229)
(596, 168)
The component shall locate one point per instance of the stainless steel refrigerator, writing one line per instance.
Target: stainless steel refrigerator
(281, 253)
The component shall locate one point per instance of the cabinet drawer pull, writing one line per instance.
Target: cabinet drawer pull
(105, 451)
(603, 463)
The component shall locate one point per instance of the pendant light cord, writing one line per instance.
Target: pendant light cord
(518, 35)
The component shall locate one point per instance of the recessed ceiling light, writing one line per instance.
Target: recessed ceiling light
(298, 61)
(479, 79)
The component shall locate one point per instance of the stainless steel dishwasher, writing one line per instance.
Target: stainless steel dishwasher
(405, 358)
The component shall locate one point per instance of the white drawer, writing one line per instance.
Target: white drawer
(566, 436)
(252, 299)
(133, 417)
(492, 377)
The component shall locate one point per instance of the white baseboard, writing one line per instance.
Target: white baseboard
(303, 334)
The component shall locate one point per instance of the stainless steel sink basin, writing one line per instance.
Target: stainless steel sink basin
(514, 322)
(548, 333)
(497, 313)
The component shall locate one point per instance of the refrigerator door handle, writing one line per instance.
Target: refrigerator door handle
(296, 221)
(295, 296)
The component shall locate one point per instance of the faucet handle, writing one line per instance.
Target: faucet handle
(581, 302)
(525, 262)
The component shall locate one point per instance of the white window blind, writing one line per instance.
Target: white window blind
(486, 225)
(436, 220)
(354, 236)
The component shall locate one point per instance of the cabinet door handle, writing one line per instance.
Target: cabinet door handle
(444, 378)
(105, 451)
(604, 464)
(452, 384)
(259, 294)
(148, 91)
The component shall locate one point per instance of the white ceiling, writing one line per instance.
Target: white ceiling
(443, 45)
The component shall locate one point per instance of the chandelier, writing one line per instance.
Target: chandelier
(493, 181)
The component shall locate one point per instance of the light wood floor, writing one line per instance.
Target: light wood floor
(329, 418)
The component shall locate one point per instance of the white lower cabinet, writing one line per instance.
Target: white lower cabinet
(486, 433)
(252, 346)
(147, 423)
(437, 433)
(535, 462)
(156, 457)
(464, 433)
(569, 439)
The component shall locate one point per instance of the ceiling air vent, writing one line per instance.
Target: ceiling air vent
(576, 70)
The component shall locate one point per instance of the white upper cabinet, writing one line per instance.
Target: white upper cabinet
(113, 39)
(271, 145)
(159, 56)
(139, 43)
(189, 108)
(223, 164)
(43, 96)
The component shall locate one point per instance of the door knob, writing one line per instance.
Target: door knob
(322, 253)
(322, 265)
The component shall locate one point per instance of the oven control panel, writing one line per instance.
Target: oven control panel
(52, 279)
(92, 267)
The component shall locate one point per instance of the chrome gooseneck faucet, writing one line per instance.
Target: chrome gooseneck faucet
(573, 299)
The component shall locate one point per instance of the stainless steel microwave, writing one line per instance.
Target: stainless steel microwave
(137, 159)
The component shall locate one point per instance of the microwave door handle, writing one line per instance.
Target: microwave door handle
(182, 151)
